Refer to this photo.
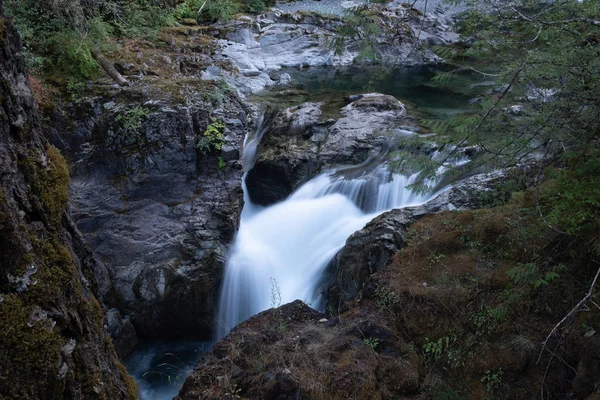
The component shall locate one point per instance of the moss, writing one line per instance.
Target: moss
(49, 183)
(130, 386)
(57, 275)
(55, 185)
(3, 21)
(29, 355)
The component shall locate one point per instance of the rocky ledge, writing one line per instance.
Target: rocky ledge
(298, 143)
(257, 47)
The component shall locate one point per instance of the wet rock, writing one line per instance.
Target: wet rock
(298, 144)
(121, 331)
(276, 39)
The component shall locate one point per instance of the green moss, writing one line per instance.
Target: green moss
(50, 183)
(30, 355)
(55, 185)
(130, 386)
(57, 275)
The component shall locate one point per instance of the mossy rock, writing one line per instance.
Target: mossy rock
(29, 353)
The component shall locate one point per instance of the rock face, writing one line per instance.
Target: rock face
(52, 340)
(159, 201)
(297, 144)
(258, 45)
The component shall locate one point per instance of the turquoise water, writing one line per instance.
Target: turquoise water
(423, 96)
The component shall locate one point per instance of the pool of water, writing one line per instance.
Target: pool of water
(416, 87)
(160, 367)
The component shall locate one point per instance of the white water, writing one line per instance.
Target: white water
(292, 242)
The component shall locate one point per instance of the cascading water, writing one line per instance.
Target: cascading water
(291, 243)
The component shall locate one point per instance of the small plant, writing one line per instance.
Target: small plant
(275, 293)
(234, 391)
(443, 349)
(212, 139)
(530, 273)
(131, 120)
(488, 321)
(386, 299)
(492, 379)
(436, 259)
(222, 163)
(371, 342)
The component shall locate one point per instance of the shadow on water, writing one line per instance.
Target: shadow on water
(160, 367)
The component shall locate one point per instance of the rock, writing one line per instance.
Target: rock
(273, 40)
(156, 208)
(121, 331)
(42, 309)
(297, 144)
(365, 252)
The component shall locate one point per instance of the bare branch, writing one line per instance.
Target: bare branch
(201, 8)
(573, 311)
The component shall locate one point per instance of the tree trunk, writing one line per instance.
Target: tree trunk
(109, 69)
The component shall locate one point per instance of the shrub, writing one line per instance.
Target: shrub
(212, 139)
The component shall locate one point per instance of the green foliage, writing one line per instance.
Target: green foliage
(61, 36)
(488, 321)
(219, 10)
(220, 92)
(371, 342)
(142, 18)
(436, 259)
(222, 163)
(492, 379)
(212, 139)
(131, 120)
(360, 26)
(386, 299)
(530, 273)
(545, 62)
(440, 349)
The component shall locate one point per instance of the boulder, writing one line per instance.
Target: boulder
(298, 144)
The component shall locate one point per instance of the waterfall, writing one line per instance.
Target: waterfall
(285, 248)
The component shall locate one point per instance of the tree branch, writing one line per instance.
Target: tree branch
(574, 310)
(201, 8)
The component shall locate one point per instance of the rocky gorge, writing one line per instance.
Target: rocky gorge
(173, 176)
(160, 211)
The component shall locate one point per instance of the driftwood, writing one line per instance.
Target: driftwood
(107, 66)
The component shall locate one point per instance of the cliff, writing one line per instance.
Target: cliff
(52, 341)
